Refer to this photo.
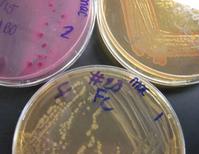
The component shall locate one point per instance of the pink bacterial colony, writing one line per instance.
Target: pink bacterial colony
(37, 48)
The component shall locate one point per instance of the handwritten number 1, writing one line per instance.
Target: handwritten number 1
(69, 29)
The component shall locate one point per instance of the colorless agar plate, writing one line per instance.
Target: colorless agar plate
(41, 38)
(157, 39)
(98, 109)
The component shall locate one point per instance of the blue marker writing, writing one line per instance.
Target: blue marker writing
(8, 28)
(8, 7)
(96, 78)
(63, 89)
(100, 94)
(159, 116)
(68, 30)
(114, 87)
(84, 4)
(107, 84)
(141, 88)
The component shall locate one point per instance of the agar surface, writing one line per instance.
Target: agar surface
(157, 23)
(54, 29)
(72, 124)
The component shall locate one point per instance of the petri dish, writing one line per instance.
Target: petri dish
(39, 39)
(157, 39)
(98, 109)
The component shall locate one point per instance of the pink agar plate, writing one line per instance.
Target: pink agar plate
(39, 39)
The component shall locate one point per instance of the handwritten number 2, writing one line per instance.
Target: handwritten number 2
(69, 29)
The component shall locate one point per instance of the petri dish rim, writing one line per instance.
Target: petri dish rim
(148, 73)
(42, 90)
(18, 83)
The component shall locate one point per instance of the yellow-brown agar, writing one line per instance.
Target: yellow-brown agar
(158, 39)
(73, 124)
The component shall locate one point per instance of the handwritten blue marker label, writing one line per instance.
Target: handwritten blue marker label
(7, 6)
(108, 84)
(114, 87)
(137, 84)
(8, 28)
(100, 94)
(158, 116)
(68, 30)
(83, 11)
(96, 78)
(63, 90)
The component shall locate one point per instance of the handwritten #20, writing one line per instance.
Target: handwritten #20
(110, 85)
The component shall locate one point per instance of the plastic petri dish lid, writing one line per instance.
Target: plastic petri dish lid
(157, 39)
(98, 109)
(39, 39)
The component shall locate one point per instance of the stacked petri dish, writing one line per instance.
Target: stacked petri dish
(39, 39)
(98, 109)
(157, 39)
